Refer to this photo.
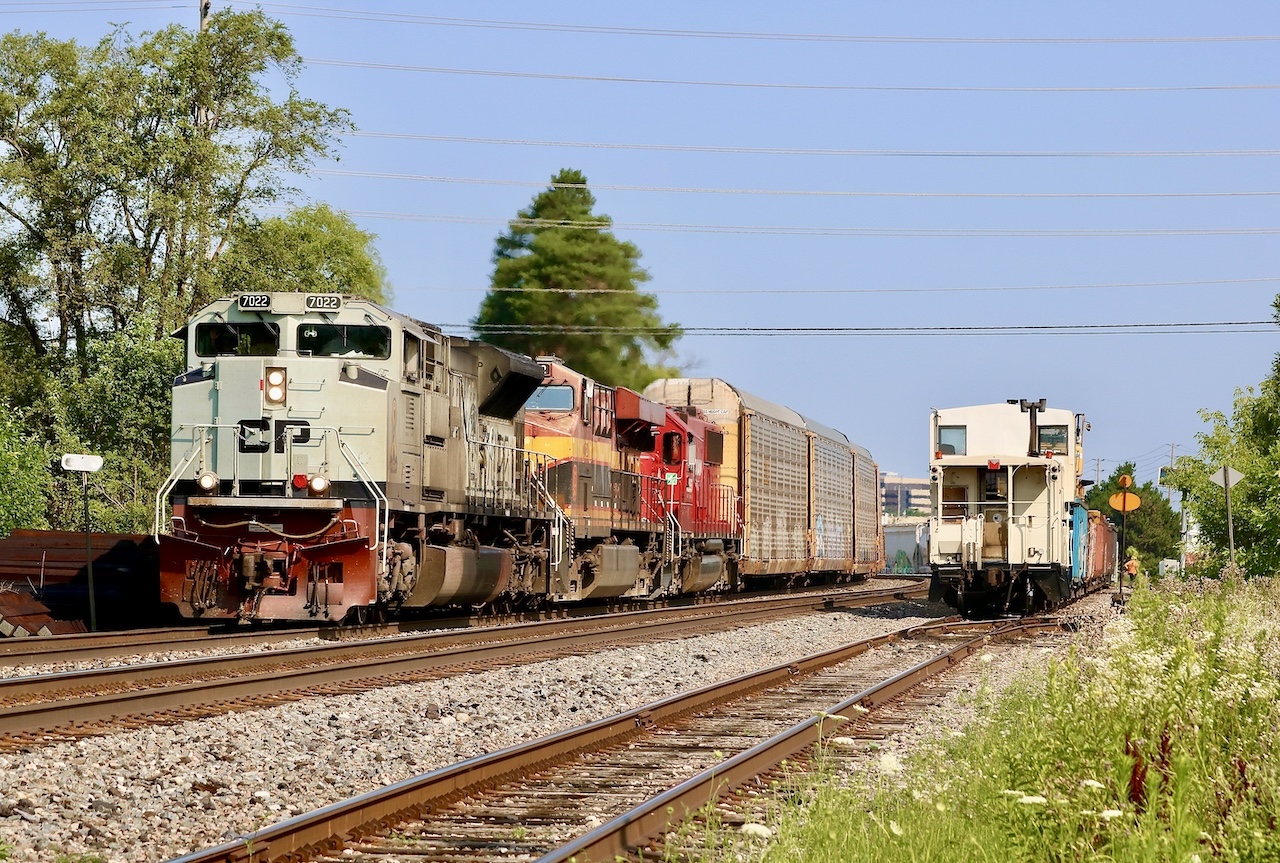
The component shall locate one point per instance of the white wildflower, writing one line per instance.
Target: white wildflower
(889, 763)
(858, 708)
(1108, 814)
(843, 742)
(1092, 783)
(1194, 858)
(755, 831)
(985, 658)
(940, 806)
(894, 828)
(1010, 792)
(1032, 798)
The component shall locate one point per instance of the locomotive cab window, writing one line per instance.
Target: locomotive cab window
(673, 448)
(951, 440)
(553, 397)
(412, 357)
(344, 340)
(1053, 439)
(237, 340)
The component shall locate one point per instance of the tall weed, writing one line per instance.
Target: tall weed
(1153, 746)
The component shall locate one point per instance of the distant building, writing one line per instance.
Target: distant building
(901, 494)
(906, 544)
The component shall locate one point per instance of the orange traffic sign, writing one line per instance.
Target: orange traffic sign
(1125, 501)
(1126, 481)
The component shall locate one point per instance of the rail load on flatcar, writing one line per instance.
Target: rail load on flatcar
(810, 500)
(1009, 532)
(331, 457)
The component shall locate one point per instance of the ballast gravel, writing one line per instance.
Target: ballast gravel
(162, 791)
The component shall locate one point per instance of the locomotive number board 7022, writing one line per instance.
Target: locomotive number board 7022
(324, 302)
(314, 302)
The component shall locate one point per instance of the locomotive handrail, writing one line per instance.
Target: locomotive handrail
(381, 506)
(169, 483)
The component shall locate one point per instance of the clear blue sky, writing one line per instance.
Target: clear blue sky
(966, 78)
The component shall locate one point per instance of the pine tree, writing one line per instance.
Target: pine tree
(570, 291)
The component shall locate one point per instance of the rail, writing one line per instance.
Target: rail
(44, 704)
(326, 830)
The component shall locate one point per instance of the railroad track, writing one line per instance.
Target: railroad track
(86, 646)
(609, 789)
(53, 707)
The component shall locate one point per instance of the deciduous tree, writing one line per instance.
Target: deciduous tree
(563, 284)
(1154, 529)
(313, 249)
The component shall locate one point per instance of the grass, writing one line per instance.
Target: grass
(1153, 747)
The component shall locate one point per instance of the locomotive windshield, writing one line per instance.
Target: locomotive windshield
(556, 397)
(237, 339)
(342, 340)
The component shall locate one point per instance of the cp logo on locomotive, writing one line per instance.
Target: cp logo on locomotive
(262, 443)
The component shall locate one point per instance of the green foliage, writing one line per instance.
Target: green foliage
(545, 297)
(130, 172)
(120, 411)
(314, 249)
(24, 477)
(125, 165)
(1155, 746)
(1154, 529)
(1249, 442)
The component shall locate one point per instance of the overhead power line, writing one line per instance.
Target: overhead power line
(760, 85)
(817, 193)
(813, 151)
(489, 24)
(1163, 328)
(814, 230)
(806, 291)
(128, 6)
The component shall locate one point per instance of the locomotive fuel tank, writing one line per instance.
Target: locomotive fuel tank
(460, 575)
(704, 568)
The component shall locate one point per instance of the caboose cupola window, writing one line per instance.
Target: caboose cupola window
(1053, 439)
(952, 440)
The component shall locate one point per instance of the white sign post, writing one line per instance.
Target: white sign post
(1226, 478)
(85, 465)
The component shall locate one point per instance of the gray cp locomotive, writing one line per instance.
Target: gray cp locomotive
(331, 456)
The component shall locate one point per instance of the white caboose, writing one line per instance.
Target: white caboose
(1005, 486)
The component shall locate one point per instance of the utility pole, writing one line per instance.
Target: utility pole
(204, 13)
(1097, 471)
(1169, 488)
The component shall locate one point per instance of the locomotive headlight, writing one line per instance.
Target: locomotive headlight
(207, 481)
(318, 484)
(276, 385)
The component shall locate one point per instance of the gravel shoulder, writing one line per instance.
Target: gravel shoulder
(158, 792)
